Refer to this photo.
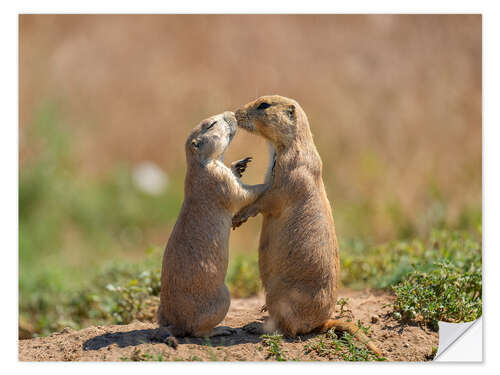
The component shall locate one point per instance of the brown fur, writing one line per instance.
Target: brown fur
(194, 298)
(298, 250)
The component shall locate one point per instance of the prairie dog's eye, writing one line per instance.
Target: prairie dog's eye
(263, 105)
(211, 125)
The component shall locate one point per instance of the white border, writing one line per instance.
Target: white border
(255, 6)
(9, 153)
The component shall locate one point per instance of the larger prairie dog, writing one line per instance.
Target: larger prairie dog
(194, 298)
(298, 250)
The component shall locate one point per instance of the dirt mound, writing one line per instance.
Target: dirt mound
(136, 341)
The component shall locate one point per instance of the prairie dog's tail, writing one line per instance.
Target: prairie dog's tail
(353, 330)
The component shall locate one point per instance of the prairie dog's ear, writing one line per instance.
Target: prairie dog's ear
(290, 111)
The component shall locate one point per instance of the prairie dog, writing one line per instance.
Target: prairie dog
(298, 251)
(194, 298)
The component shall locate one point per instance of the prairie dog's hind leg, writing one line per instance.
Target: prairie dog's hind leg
(261, 328)
(255, 328)
(162, 321)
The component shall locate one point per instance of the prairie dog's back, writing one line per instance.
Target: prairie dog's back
(197, 244)
(194, 298)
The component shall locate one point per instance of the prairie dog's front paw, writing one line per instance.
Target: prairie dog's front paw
(238, 167)
(244, 215)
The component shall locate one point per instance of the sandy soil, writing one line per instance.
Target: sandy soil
(136, 341)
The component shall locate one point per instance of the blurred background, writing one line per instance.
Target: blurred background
(107, 101)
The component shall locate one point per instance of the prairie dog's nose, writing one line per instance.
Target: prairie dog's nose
(230, 118)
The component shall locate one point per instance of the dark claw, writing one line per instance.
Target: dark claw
(237, 221)
(241, 165)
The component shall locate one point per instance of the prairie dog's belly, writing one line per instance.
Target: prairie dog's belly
(298, 244)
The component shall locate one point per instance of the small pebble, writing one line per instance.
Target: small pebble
(374, 318)
(406, 345)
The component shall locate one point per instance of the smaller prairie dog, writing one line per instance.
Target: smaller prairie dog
(194, 298)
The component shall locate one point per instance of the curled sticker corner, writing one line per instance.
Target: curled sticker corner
(451, 333)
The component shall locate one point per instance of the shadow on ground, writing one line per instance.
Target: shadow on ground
(241, 335)
(400, 326)
(144, 336)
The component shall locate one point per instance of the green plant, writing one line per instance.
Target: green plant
(272, 341)
(319, 346)
(448, 288)
(132, 297)
(114, 294)
(448, 293)
(139, 356)
(211, 353)
(385, 265)
(243, 277)
(353, 352)
(332, 346)
(433, 353)
(342, 302)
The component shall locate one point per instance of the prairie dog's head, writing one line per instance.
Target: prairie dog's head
(210, 138)
(272, 116)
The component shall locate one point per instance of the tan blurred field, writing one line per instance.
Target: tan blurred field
(394, 103)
